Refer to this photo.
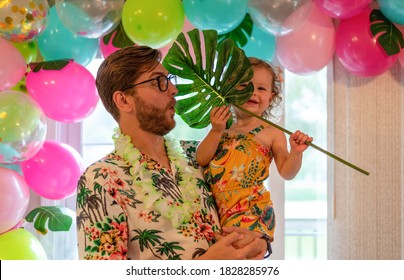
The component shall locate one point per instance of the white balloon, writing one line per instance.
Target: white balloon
(89, 18)
(279, 17)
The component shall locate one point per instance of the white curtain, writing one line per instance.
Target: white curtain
(366, 122)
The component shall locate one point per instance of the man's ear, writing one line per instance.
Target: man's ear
(122, 101)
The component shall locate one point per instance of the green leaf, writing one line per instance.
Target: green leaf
(118, 37)
(210, 78)
(390, 39)
(49, 65)
(54, 215)
(241, 33)
(209, 75)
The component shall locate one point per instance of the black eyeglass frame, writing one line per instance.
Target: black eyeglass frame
(168, 79)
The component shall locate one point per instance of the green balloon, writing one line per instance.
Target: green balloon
(20, 244)
(154, 23)
(28, 50)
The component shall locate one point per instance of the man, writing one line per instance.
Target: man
(145, 200)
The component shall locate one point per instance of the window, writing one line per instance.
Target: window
(306, 194)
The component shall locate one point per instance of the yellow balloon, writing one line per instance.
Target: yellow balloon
(154, 23)
(20, 244)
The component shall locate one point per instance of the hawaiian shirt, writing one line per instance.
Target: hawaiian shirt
(112, 222)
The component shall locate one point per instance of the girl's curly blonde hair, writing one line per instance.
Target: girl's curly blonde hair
(276, 74)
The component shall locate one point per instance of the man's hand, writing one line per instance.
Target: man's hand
(251, 240)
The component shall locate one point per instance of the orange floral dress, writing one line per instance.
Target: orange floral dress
(236, 175)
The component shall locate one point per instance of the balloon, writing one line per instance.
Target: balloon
(187, 27)
(152, 23)
(54, 171)
(23, 127)
(14, 198)
(393, 10)
(310, 47)
(220, 15)
(358, 51)
(261, 44)
(279, 17)
(29, 50)
(89, 18)
(342, 8)
(12, 65)
(20, 244)
(58, 42)
(23, 20)
(14, 167)
(21, 86)
(108, 48)
(65, 95)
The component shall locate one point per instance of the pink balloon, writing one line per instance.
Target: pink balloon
(107, 49)
(401, 54)
(310, 47)
(54, 171)
(358, 51)
(14, 198)
(187, 27)
(65, 95)
(342, 8)
(12, 65)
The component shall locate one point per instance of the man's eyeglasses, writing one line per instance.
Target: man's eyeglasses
(162, 82)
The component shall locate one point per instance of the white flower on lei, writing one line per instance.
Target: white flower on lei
(177, 212)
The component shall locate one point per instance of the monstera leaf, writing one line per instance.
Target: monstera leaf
(53, 215)
(118, 37)
(391, 39)
(209, 76)
(241, 33)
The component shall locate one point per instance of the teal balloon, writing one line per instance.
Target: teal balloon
(220, 15)
(14, 167)
(393, 10)
(58, 42)
(261, 45)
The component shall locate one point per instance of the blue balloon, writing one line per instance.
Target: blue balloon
(58, 42)
(220, 15)
(261, 44)
(15, 167)
(393, 10)
(8, 154)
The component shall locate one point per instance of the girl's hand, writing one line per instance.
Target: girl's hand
(218, 118)
(298, 141)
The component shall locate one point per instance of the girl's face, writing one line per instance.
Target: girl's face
(262, 96)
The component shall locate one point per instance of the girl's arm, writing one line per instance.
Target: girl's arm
(207, 147)
(289, 163)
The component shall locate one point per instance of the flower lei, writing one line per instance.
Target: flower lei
(178, 211)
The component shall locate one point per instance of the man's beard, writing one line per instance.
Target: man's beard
(153, 119)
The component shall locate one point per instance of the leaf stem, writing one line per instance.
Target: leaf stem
(307, 143)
